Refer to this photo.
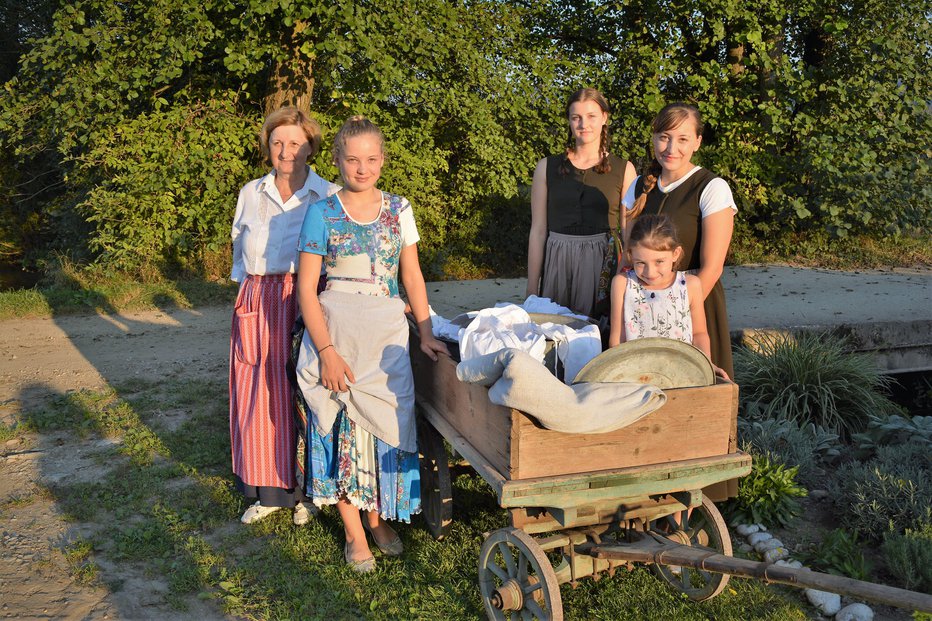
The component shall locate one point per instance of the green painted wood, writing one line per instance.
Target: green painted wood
(625, 483)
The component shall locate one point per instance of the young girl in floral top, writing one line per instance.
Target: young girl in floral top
(354, 370)
(654, 299)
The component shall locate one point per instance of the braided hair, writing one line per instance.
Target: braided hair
(588, 94)
(671, 117)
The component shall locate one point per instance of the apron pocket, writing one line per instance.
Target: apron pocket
(247, 338)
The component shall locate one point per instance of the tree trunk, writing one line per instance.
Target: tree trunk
(291, 81)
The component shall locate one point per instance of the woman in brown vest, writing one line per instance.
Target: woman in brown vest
(702, 209)
(574, 202)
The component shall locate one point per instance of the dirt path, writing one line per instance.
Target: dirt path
(44, 358)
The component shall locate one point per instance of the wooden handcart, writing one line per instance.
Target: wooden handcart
(584, 504)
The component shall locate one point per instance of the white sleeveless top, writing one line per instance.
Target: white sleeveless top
(657, 312)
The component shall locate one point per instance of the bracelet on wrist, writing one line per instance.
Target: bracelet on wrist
(325, 347)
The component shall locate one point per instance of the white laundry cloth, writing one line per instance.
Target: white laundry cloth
(502, 327)
(574, 348)
(519, 381)
(444, 328)
(536, 304)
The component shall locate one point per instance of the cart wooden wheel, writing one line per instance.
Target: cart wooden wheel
(705, 528)
(516, 578)
(436, 491)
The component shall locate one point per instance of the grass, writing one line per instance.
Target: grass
(71, 289)
(167, 508)
(818, 249)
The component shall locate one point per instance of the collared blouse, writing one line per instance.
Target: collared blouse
(266, 228)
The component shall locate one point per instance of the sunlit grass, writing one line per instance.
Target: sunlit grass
(175, 514)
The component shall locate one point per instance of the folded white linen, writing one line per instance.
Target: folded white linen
(502, 327)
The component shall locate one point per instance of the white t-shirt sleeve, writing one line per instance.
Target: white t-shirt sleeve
(409, 233)
(715, 197)
(628, 200)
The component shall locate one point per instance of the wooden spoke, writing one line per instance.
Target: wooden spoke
(704, 528)
(516, 579)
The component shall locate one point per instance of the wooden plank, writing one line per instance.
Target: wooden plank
(466, 407)
(623, 484)
(463, 447)
(695, 422)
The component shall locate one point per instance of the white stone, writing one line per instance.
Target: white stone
(745, 548)
(762, 527)
(789, 563)
(776, 554)
(756, 538)
(827, 603)
(746, 529)
(768, 544)
(855, 612)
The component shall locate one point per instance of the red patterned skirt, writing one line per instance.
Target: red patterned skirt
(262, 431)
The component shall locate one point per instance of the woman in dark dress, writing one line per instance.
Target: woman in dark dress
(701, 206)
(574, 204)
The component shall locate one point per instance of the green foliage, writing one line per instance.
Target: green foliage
(893, 429)
(909, 557)
(814, 111)
(810, 378)
(838, 553)
(768, 495)
(163, 182)
(806, 446)
(890, 492)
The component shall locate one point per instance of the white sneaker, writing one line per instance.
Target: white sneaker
(303, 512)
(256, 512)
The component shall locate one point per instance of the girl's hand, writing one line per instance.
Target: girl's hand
(721, 373)
(431, 346)
(335, 374)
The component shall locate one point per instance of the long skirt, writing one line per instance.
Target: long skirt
(351, 463)
(262, 431)
(573, 267)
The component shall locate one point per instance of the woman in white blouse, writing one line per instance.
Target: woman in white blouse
(268, 219)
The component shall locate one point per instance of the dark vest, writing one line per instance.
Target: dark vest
(579, 202)
(682, 205)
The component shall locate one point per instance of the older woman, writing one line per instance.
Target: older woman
(268, 219)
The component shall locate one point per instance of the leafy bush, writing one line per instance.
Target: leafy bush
(810, 378)
(767, 495)
(838, 553)
(909, 557)
(892, 430)
(890, 492)
(804, 446)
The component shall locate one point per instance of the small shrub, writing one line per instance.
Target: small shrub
(811, 379)
(805, 446)
(838, 553)
(891, 492)
(909, 557)
(768, 495)
(893, 429)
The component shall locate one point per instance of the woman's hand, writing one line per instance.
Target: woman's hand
(335, 374)
(721, 373)
(431, 346)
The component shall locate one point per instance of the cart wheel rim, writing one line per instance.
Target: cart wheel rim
(514, 571)
(703, 528)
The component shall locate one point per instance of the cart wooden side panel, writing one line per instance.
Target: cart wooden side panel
(694, 423)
